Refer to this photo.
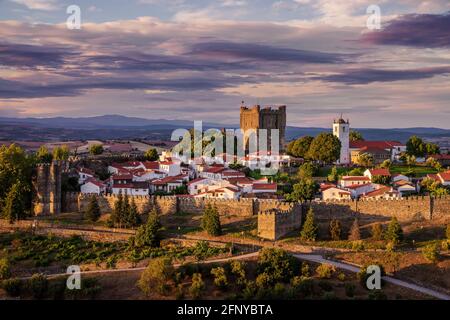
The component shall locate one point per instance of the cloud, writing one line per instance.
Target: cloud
(46, 5)
(365, 75)
(27, 56)
(415, 30)
(263, 53)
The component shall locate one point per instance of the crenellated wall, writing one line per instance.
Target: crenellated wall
(276, 223)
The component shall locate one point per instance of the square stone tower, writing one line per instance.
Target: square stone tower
(268, 118)
(341, 129)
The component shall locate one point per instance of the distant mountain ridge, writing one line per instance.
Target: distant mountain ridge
(123, 127)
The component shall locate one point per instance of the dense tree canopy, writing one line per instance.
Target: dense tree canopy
(151, 154)
(415, 146)
(302, 191)
(325, 148)
(300, 147)
(355, 136)
(96, 149)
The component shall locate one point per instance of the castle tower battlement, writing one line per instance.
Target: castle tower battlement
(47, 189)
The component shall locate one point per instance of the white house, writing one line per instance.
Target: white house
(168, 184)
(377, 172)
(336, 193)
(264, 188)
(220, 193)
(347, 181)
(93, 186)
(383, 192)
(404, 187)
(399, 177)
(360, 189)
(171, 168)
(195, 185)
(132, 189)
(84, 174)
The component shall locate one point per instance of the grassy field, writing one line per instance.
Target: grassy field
(419, 171)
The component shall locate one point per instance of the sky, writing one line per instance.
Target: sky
(199, 59)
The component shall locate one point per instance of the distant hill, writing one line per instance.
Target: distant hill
(122, 127)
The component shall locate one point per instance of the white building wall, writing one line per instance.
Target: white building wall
(342, 131)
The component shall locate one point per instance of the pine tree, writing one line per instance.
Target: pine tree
(117, 212)
(335, 230)
(394, 231)
(93, 210)
(124, 212)
(309, 230)
(211, 221)
(149, 234)
(14, 208)
(354, 233)
(133, 215)
(377, 231)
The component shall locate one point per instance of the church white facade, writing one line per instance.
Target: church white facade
(341, 129)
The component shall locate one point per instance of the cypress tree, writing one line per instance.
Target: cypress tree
(149, 234)
(335, 230)
(354, 233)
(118, 205)
(309, 230)
(394, 231)
(133, 215)
(93, 210)
(14, 207)
(211, 221)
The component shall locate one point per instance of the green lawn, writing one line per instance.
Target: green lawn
(419, 171)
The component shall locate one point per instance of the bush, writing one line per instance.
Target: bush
(335, 230)
(377, 231)
(38, 285)
(263, 280)
(220, 277)
(305, 269)
(159, 271)
(354, 233)
(277, 264)
(238, 270)
(394, 231)
(13, 287)
(5, 271)
(250, 290)
(431, 253)
(93, 210)
(341, 276)
(358, 245)
(197, 285)
(211, 221)
(445, 245)
(325, 271)
(303, 286)
(279, 291)
(350, 290)
(309, 230)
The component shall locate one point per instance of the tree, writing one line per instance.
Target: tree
(394, 231)
(211, 221)
(155, 277)
(133, 215)
(325, 148)
(356, 172)
(432, 148)
(299, 148)
(415, 146)
(303, 191)
(14, 206)
(197, 285)
(410, 160)
(309, 230)
(335, 230)
(43, 155)
(96, 149)
(149, 234)
(278, 264)
(333, 176)
(117, 213)
(354, 233)
(220, 277)
(151, 154)
(381, 179)
(355, 136)
(5, 269)
(61, 153)
(377, 231)
(307, 170)
(386, 164)
(93, 209)
(364, 160)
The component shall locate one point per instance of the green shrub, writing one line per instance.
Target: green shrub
(13, 287)
(431, 253)
(303, 286)
(325, 271)
(350, 290)
(263, 280)
(220, 277)
(93, 210)
(445, 245)
(358, 245)
(377, 231)
(5, 270)
(237, 268)
(38, 285)
(211, 221)
(279, 291)
(341, 276)
(155, 277)
(305, 269)
(250, 290)
(197, 285)
(149, 234)
(394, 231)
(277, 264)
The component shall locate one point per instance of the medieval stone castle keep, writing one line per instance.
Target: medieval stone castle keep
(268, 118)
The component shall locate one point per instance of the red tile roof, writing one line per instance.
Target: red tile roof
(95, 182)
(265, 186)
(380, 172)
(375, 144)
(357, 186)
(123, 176)
(196, 180)
(380, 192)
(444, 175)
(151, 165)
(355, 178)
